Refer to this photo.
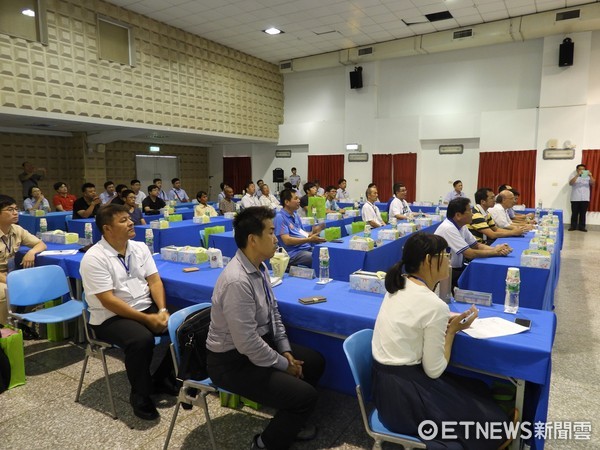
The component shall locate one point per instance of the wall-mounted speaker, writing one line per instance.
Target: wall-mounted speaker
(566, 52)
(356, 78)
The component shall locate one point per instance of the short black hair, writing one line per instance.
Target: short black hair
(85, 186)
(259, 181)
(135, 181)
(308, 186)
(58, 184)
(30, 190)
(503, 187)
(174, 180)
(481, 194)
(287, 185)
(248, 183)
(330, 187)
(120, 187)
(106, 213)
(200, 194)
(250, 221)
(293, 168)
(341, 180)
(107, 184)
(576, 167)
(222, 185)
(397, 187)
(285, 195)
(456, 182)
(125, 193)
(152, 187)
(515, 192)
(457, 205)
(5, 201)
(155, 180)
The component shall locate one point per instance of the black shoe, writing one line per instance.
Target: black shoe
(583, 229)
(29, 334)
(571, 229)
(307, 433)
(143, 407)
(168, 386)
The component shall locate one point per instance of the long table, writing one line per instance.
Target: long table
(185, 232)
(54, 220)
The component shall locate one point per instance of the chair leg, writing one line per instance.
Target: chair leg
(208, 421)
(110, 396)
(166, 446)
(377, 445)
(85, 362)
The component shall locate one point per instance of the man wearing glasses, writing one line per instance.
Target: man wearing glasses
(399, 207)
(12, 236)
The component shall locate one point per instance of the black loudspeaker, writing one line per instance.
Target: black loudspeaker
(356, 78)
(565, 54)
(278, 175)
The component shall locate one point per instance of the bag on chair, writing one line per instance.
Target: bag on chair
(191, 336)
(12, 346)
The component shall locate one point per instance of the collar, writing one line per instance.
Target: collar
(454, 223)
(245, 262)
(481, 210)
(110, 250)
(11, 231)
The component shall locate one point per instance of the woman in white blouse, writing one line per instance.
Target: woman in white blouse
(412, 342)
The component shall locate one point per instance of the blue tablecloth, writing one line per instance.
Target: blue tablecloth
(336, 223)
(185, 232)
(343, 261)
(489, 275)
(54, 220)
(224, 242)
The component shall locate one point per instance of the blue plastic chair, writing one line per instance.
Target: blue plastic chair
(36, 285)
(360, 358)
(96, 349)
(348, 229)
(192, 392)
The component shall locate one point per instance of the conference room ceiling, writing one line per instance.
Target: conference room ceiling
(318, 26)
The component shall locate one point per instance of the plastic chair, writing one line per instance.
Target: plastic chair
(31, 287)
(348, 229)
(68, 219)
(199, 388)
(96, 349)
(360, 358)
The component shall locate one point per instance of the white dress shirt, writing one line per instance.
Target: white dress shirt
(500, 216)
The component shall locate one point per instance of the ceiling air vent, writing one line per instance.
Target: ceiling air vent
(566, 15)
(365, 51)
(462, 34)
(286, 65)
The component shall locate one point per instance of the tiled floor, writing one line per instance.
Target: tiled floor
(43, 415)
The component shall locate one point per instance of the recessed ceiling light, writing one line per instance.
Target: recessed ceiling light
(28, 12)
(273, 31)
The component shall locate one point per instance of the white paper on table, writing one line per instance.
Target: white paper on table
(491, 327)
(58, 252)
(276, 281)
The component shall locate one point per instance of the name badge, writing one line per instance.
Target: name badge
(10, 264)
(135, 287)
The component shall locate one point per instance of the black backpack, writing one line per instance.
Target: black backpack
(4, 371)
(191, 336)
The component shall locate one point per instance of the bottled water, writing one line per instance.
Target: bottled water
(88, 233)
(323, 265)
(538, 211)
(43, 225)
(440, 202)
(437, 210)
(150, 239)
(513, 285)
(367, 232)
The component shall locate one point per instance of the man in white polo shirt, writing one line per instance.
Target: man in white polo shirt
(462, 243)
(499, 212)
(370, 212)
(127, 305)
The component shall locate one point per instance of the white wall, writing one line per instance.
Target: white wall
(496, 98)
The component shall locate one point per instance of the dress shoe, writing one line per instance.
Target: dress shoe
(583, 229)
(143, 407)
(307, 433)
(168, 386)
(571, 229)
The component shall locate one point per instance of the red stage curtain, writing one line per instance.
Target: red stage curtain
(405, 172)
(591, 158)
(328, 169)
(515, 168)
(382, 176)
(237, 171)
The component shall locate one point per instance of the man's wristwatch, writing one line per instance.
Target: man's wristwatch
(163, 310)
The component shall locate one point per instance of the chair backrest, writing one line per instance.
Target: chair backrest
(28, 287)
(360, 358)
(85, 312)
(176, 319)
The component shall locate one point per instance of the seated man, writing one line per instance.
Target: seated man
(462, 243)
(370, 212)
(342, 194)
(249, 199)
(291, 235)
(221, 195)
(127, 305)
(62, 200)
(267, 199)
(36, 201)
(88, 204)
(135, 213)
(109, 194)
(457, 192)
(153, 203)
(227, 204)
(12, 236)
(518, 218)
(136, 187)
(331, 205)
(399, 206)
(504, 201)
(177, 193)
(248, 350)
(203, 208)
(310, 190)
(483, 227)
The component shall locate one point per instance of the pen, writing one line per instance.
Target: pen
(463, 321)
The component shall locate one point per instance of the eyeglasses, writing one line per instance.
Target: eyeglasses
(11, 210)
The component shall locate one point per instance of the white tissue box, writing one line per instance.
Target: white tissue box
(367, 282)
(423, 222)
(159, 224)
(361, 243)
(351, 213)
(192, 255)
(307, 220)
(333, 216)
(387, 235)
(229, 215)
(407, 227)
(536, 258)
(201, 219)
(169, 253)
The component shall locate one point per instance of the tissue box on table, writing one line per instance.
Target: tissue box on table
(229, 215)
(332, 233)
(170, 210)
(60, 237)
(387, 235)
(307, 220)
(535, 244)
(333, 216)
(367, 282)
(536, 258)
(169, 253)
(192, 255)
(159, 224)
(423, 222)
(361, 243)
(351, 213)
(175, 218)
(39, 212)
(201, 219)
(407, 227)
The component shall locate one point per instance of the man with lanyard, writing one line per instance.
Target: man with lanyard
(370, 213)
(463, 245)
(127, 305)
(483, 227)
(178, 194)
(291, 235)
(248, 350)
(12, 236)
(399, 206)
(161, 194)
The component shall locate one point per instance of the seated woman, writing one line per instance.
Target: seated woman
(36, 201)
(135, 212)
(412, 341)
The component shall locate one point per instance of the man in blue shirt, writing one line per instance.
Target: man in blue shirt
(330, 204)
(290, 234)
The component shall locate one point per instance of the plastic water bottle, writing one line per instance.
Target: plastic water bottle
(367, 231)
(166, 213)
(513, 285)
(538, 211)
(150, 239)
(323, 265)
(314, 212)
(421, 213)
(437, 210)
(43, 225)
(88, 233)
(440, 202)
(362, 200)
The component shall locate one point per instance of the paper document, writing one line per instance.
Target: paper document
(491, 327)
(276, 281)
(58, 252)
